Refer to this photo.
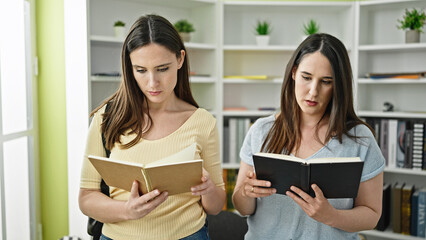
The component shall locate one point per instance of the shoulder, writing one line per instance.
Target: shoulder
(263, 124)
(362, 133)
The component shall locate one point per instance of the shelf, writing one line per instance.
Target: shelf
(406, 171)
(195, 79)
(388, 234)
(391, 114)
(230, 165)
(251, 81)
(289, 48)
(105, 78)
(391, 81)
(288, 4)
(383, 2)
(393, 47)
(248, 113)
(201, 46)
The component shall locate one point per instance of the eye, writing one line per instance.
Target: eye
(163, 69)
(306, 78)
(141, 70)
(326, 82)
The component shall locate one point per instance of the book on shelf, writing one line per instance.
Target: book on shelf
(406, 193)
(234, 109)
(392, 142)
(384, 220)
(336, 177)
(414, 212)
(396, 206)
(396, 75)
(249, 77)
(421, 213)
(175, 174)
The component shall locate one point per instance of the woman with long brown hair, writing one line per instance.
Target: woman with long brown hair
(317, 119)
(151, 116)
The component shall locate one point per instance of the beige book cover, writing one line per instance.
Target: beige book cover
(175, 174)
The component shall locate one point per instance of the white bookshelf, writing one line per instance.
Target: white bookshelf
(224, 44)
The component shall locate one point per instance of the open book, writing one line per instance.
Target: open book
(337, 177)
(174, 174)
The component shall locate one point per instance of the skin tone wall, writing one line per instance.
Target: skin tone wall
(52, 118)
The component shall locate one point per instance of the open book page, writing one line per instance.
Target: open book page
(334, 160)
(182, 156)
(281, 157)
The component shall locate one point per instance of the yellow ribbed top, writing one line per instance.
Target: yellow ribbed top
(180, 215)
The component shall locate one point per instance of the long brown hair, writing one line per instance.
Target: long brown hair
(285, 134)
(128, 103)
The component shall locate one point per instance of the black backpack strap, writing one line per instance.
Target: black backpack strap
(104, 187)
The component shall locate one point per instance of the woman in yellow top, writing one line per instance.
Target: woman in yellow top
(151, 116)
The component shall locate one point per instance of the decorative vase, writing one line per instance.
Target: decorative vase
(412, 36)
(119, 32)
(186, 37)
(262, 40)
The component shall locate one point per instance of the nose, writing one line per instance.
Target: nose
(152, 81)
(313, 88)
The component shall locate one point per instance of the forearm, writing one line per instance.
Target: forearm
(100, 207)
(243, 204)
(354, 220)
(213, 202)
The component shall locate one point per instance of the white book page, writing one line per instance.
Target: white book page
(98, 158)
(334, 160)
(184, 155)
(281, 157)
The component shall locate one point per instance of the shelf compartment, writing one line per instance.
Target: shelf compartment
(391, 81)
(379, 114)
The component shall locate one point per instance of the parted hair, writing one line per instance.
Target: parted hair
(128, 104)
(285, 134)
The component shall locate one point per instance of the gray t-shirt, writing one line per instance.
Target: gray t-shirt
(278, 216)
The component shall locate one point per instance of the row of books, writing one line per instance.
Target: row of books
(396, 75)
(405, 207)
(230, 179)
(402, 142)
(233, 138)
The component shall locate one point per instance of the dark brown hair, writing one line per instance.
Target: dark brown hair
(128, 103)
(285, 134)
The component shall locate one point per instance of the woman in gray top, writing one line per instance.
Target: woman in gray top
(317, 119)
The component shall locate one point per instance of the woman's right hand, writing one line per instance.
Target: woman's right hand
(139, 206)
(256, 188)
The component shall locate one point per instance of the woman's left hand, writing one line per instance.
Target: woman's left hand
(206, 187)
(316, 207)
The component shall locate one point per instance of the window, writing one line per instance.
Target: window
(17, 123)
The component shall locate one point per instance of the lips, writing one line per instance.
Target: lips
(154, 93)
(311, 103)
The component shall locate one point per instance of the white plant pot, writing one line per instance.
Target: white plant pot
(262, 40)
(412, 36)
(119, 32)
(186, 37)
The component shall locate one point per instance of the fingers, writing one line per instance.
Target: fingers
(257, 191)
(317, 190)
(156, 198)
(134, 192)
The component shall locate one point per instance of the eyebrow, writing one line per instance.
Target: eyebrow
(159, 66)
(326, 77)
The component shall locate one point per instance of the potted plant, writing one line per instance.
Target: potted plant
(184, 28)
(310, 28)
(263, 29)
(412, 22)
(119, 28)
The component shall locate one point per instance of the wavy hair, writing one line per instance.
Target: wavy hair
(285, 134)
(128, 103)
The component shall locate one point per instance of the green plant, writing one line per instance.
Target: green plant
(263, 28)
(184, 26)
(311, 27)
(413, 20)
(119, 24)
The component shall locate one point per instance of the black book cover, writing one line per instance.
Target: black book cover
(385, 217)
(337, 177)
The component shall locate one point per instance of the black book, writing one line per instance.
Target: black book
(384, 220)
(337, 177)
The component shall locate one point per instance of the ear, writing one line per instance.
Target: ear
(293, 73)
(181, 59)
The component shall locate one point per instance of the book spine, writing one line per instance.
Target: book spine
(406, 210)
(384, 139)
(421, 214)
(147, 180)
(401, 143)
(305, 179)
(392, 143)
